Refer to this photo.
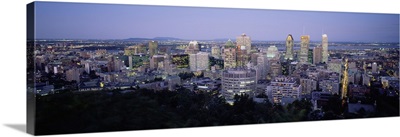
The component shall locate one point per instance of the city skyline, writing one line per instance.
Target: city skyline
(110, 21)
(94, 85)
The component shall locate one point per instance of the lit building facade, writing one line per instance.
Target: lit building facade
(229, 55)
(244, 42)
(289, 47)
(308, 85)
(238, 81)
(243, 48)
(317, 55)
(335, 65)
(325, 53)
(283, 90)
(304, 46)
(329, 85)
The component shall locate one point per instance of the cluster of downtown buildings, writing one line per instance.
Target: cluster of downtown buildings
(229, 68)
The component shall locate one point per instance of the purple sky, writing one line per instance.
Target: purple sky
(108, 21)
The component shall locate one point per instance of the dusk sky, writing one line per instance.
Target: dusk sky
(109, 21)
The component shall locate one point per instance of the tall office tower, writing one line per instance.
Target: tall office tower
(325, 53)
(310, 58)
(199, 61)
(229, 55)
(317, 57)
(153, 45)
(193, 48)
(304, 46)
(241, 56)
(243, 48)
(289, 47)
(244, 42)
(263, 66)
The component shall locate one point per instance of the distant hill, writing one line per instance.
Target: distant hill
(156, 38)
(137, 39)
(166, 38)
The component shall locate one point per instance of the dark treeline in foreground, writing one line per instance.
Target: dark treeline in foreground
(145, 109)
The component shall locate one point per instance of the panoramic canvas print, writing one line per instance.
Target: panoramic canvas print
(114, 67)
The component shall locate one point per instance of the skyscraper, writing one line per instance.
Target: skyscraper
(304, 46)
(317, 57)
(244, 42)
(310, 58)
(153, 45)
(289, 47)
(243, 48)
(325, 53)
(229, 55)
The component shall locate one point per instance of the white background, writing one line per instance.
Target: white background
(13, 71)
